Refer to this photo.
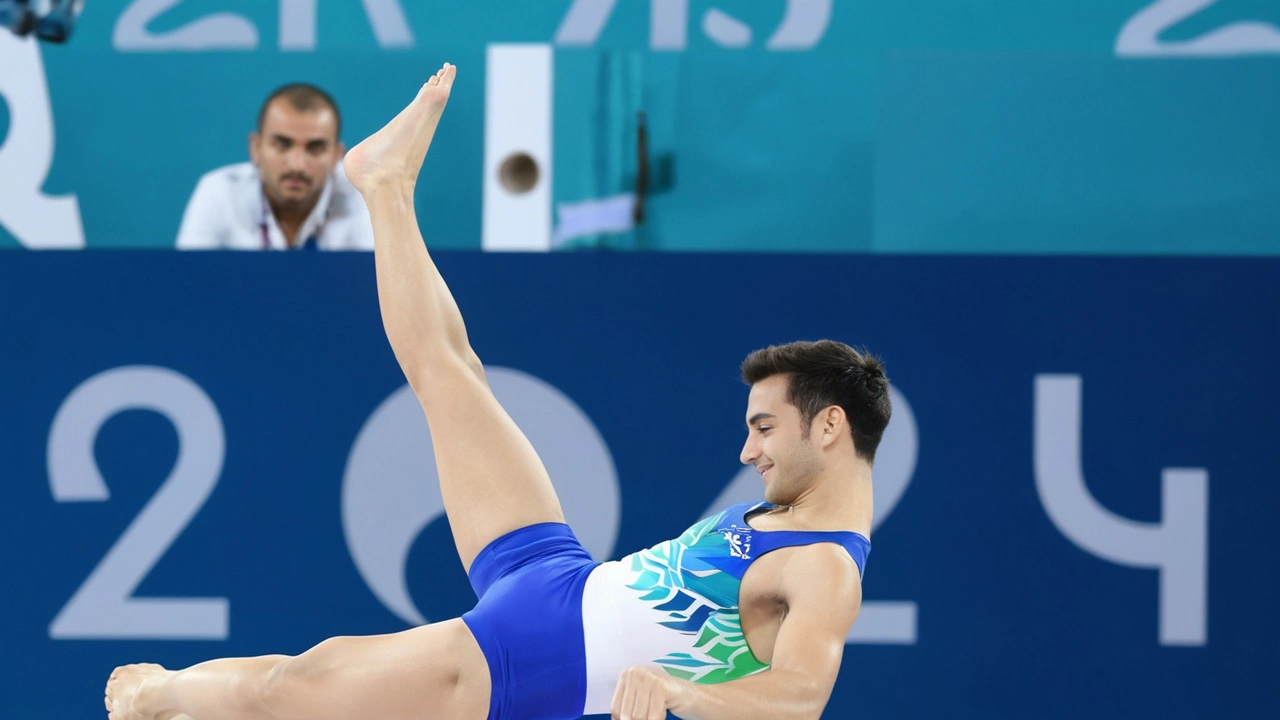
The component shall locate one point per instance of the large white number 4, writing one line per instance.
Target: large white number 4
(1177, 546)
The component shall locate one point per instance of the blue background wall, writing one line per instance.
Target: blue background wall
(993, 194)
(1175, 357)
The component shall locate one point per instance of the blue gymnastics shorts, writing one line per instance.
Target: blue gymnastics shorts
(528, 622)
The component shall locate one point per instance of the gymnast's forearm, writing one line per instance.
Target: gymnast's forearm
(770, 695)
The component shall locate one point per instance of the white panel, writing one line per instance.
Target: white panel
(518, 93)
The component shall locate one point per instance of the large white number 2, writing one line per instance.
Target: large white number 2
(1140, 37)
(104, 606)
(881, 622)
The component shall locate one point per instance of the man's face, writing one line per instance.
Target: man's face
(295, 152)
(777, 443)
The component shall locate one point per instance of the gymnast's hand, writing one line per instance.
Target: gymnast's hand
(645, 694)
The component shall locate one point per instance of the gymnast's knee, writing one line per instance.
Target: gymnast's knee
(437, 379)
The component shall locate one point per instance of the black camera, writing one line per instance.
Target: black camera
(50, 21)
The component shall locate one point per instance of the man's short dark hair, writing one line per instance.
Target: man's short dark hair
(825, 373)
(303, 98)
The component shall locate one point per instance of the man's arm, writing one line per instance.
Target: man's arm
(205, 219)
(823, 594)
(361, 226)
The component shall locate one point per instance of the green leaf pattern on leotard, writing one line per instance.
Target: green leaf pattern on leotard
(699, 599)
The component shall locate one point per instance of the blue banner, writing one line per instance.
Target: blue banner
(215, 455)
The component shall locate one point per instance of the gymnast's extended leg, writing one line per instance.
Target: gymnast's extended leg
(492, 480)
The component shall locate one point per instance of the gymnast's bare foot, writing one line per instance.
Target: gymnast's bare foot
(130, 690)
(392, 157)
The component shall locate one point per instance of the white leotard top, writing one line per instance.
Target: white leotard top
(674, 606)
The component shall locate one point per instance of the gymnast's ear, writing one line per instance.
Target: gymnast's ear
(829, 425)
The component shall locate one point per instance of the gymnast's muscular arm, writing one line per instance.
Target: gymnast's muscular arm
(823, 594)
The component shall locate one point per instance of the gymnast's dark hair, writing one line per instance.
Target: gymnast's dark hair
(303, 98)
(825, 373)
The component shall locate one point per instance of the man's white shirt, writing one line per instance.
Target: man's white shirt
(229, 211)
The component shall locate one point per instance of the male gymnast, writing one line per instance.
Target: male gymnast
(743, 617)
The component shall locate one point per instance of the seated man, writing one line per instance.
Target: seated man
(293, 194)
(743, 617)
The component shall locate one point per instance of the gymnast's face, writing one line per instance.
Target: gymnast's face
(295, 151)
(778, 442)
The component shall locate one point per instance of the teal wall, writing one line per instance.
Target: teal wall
(930, 126)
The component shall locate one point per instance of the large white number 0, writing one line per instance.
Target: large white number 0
(889, 622)
(104, 606)
(1140, 37)
(391, 489)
